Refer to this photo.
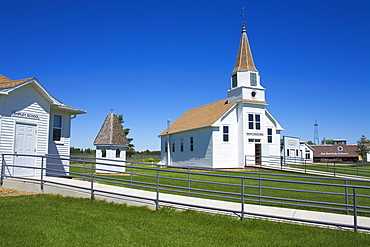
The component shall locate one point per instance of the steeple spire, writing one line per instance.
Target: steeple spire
(244, 60)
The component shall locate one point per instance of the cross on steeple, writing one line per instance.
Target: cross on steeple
(243, 21)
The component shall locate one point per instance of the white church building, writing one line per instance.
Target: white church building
(229, 133)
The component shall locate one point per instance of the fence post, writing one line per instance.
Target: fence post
(157, 192)
(92, 182)
(346, 183)
(334, 169)
(131, 175)
(188, 181)
(2, 169)
(260, 188)
(42, 174)
(354, 210)
(242, 196)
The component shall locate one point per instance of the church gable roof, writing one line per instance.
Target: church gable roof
(111, 132)
(200, 117)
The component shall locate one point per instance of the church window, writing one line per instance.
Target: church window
(103, 153)
(269, 135)
(173, 147)
(258, 122)
(233, 80)
(287, 152)
(191, 144)
(254, 121)
(253, 79)
(226, 133)
(250, 121)
(118, 153)
(182, 144)
(166, 147)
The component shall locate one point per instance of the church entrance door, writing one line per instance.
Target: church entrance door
(257, 154)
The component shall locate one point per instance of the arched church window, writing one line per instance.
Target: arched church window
(103, 153)
(118, 153)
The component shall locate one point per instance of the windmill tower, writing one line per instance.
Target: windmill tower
(316, 133)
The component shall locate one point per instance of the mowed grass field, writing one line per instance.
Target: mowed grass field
(52, 220)
(281, 189)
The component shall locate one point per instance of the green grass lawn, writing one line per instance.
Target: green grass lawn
(180, 180)
(51, 220)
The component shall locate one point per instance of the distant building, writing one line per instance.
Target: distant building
(230, 132)
(338, 151)
(295, 151)
(33, 122)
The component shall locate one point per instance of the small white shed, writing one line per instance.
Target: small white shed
(33, 122)
(111, 144)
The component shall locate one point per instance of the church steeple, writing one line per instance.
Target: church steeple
(245, 78)
(244, 60)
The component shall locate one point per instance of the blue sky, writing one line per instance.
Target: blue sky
(153, 60)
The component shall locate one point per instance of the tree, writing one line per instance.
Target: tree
(363, 147)
(130, 149)
(310, 143)
(328, 141)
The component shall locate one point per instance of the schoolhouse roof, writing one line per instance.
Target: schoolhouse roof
(244, 59)
(5, 82)
(111, 132)
(7, 85)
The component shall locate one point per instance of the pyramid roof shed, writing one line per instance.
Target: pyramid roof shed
(111, 133)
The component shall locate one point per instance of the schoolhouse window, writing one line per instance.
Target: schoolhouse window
(173, 147)
(296, 152)
(191, 144)
(226, 133)
(250, 121)
(233, 80)
(57, 128)
(166, 147)
(182, 144)
(118, 153)
(253, 79)
(287, 152)
(103, 153)
(269, 135)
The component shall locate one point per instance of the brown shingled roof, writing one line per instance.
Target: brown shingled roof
(244, 60)
(200, 117)
(5, 82)
(111, 132)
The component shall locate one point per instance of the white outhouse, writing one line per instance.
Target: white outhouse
(33, 122)
(111, 144)
(230, 133)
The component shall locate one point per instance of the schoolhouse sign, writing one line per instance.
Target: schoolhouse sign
(25, 115)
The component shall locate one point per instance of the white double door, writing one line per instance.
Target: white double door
(25, 142)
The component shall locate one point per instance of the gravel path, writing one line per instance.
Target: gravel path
(11, 192)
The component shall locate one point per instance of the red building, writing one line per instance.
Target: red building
(338, 151)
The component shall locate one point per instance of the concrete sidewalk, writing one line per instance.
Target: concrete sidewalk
(135, 197)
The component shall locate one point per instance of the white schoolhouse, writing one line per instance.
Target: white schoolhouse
(231, 132)
(33, 122)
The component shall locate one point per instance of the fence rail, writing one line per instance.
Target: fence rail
(346, 196)
(335, 168)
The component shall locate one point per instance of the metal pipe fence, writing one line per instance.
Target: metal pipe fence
(329, 194)
(306, 166)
